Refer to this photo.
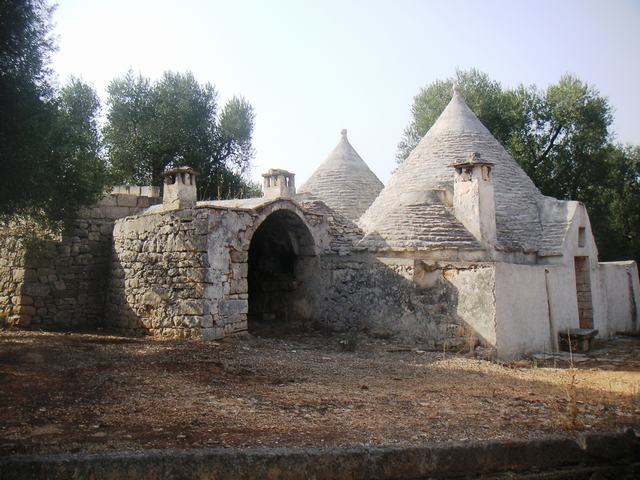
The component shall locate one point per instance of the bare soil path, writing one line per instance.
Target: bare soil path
(96, 392)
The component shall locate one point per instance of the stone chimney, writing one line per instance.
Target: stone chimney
(179, 188)
(473, 198)
(279, 184)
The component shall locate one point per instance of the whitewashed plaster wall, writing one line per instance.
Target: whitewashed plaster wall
(563, 299)
(562, 276)
(522, 319)
(623, 296)
(573, 249)
(475, 296)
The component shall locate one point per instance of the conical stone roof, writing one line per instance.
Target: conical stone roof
(344, 181)
(404, 214)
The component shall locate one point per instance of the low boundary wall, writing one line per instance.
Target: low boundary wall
(615, 455)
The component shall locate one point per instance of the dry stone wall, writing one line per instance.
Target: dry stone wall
(184, 273)
(228, 250)
(158, 267)
(181, 273)
(381, 297)
(61, 282)
(13, 309)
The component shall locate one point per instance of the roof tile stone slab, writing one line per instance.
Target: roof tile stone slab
(344, 181)
(456, 134)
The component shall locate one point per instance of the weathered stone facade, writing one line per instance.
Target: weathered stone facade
(184, 273)
(383, 297)
(188, 272)
(62, 282)
(459, 248)
(158, 274)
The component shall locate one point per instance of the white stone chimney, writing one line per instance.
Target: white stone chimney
(473, 198)
(279, 184)
(179, 189)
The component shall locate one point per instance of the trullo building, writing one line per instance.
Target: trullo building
(458, 248)
(344, 182)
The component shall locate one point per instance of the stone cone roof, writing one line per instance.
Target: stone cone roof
(411, 211)
(344, 181)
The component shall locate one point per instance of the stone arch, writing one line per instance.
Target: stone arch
(282, 254)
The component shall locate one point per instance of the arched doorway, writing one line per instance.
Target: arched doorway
(281, 257)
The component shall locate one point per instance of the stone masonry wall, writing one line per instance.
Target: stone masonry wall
(62, 282)
(227, 296)
(158, 274)
(12, 272)
(381, 297)
(183, 273)
(180, 273)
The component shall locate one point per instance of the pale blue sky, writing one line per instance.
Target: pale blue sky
(313, 68)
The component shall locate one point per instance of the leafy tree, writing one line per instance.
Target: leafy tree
(175, 121)
(46, 175)
(618, 232)
(561, 137)
(127, 131)
(564, 138)
(78, 173)
(25, 47)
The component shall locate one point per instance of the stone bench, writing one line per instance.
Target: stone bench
(577, 339)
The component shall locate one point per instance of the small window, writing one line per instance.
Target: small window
(582, 236)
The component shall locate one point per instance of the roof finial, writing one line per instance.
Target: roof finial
(455, 89)
(343, 132)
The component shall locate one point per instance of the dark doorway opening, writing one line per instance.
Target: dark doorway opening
(583, 288)
(280, 256)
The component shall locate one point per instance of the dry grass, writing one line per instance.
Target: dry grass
(72, 392)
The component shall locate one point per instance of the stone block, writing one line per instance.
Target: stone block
(239, 270)
(238, 286)
(24, 310)
(22, 300)
(106, 229)
(190, 307)
(214, 333)
(207, 321)
(117, 212)
(126, 200)
(235, 327)
(192, 321)
(22, 320)
(126, 190)
(153, 297)
(108, 201)
(153, 192)
(239, 256)
(18, 274)
(233, 309)
(35, 290)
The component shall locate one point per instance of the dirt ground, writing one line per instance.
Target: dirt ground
(97, 392)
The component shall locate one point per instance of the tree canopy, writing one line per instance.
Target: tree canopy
(561, 137)
(54, 157)
(48, 138)
(175, 121)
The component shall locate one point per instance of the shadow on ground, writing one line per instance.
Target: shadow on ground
(95, 393)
